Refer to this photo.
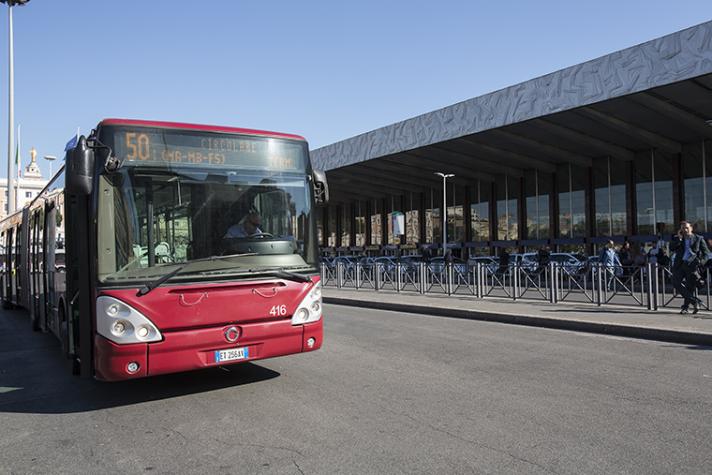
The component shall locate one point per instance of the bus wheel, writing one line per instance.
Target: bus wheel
(35, 322)
(63, 330)
(75, 366)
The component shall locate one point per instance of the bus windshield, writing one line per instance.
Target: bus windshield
(157, 213)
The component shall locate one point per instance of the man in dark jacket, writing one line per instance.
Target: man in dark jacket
(689, 252)
(543, 258)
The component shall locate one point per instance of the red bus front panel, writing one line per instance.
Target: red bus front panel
(195, 322)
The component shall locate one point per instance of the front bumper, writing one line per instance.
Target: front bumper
(188, 350)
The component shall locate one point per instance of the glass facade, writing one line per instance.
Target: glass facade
(641, 198)
(455, 216)
(360, 223)
(412, 227)
(412, 220)
(507, 189)
(480, 212)
(653, 193)
(537, 190)
(346, 225)
(331, 227)
(610, 177)
(433, 231)
(697, 175)
(376, 224)
(320, 228)
(571, 184)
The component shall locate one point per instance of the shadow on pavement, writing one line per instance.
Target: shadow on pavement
(35, 378)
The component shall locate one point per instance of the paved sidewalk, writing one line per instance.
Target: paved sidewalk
(636, 322)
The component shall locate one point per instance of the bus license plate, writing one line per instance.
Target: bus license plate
(232, 354)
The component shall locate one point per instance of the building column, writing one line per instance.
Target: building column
(590, 206)
(384, 221)
(352, 206)
(338, 212)
(467, 212)
(493, 214)
(522, 212)
(422, 198)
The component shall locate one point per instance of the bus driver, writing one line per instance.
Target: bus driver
(248, 226)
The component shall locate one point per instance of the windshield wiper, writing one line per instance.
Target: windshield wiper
(281, 273)
(149, 286)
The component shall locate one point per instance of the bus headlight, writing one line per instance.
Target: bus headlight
(122, 323)
(309, 310)
(120, 327)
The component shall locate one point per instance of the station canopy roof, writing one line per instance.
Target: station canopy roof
(656, 95)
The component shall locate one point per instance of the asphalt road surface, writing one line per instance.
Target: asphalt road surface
(388, 393)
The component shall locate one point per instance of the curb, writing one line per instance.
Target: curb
(644, 333)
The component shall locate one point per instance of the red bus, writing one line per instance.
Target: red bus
(163, 247)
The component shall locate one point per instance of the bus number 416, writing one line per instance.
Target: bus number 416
(278, 310)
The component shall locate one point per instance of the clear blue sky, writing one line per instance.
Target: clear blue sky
(327, 70)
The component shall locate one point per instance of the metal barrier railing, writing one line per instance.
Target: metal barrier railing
(649, 286)
(665, 293)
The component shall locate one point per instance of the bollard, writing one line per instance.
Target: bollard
(339, 274)
(359, 270)
(422, 277)
(649, 286)
(322, 271)
(552, 283)
(598, 286)
(656, 287)
(377, 278)
(478, 280)
(398, 277)
(448, 278)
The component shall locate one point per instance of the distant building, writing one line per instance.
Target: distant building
(28, 185)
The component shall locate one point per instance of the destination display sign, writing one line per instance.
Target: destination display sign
(165, 147)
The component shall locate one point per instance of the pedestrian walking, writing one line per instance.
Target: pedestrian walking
(611, 264)
(689, 251)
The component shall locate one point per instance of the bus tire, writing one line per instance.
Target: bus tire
(35, 323)
(63, 329)
(76, 367)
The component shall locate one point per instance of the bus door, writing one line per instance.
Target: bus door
(34, 270)
(49, 244)
(17, 263)
(9, 265)
(3, 264)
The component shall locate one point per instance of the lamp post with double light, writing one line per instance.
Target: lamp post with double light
(444, 176)
(50, 159)
(11, 106)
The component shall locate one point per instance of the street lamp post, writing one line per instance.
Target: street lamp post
(444, 223)
(11, 106)
(50, 159)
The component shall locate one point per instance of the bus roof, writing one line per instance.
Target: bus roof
(200, 127)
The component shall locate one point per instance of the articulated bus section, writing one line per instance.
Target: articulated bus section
(164, 247)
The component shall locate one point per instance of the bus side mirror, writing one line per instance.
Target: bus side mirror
(80, 168)
(321, 187)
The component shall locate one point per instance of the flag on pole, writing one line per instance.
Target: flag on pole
(72, 142)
